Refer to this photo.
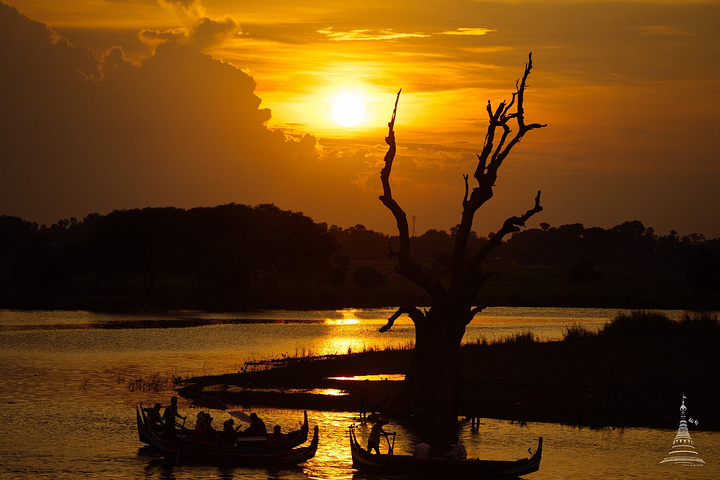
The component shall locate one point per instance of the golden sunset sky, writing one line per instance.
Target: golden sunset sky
(115, 104)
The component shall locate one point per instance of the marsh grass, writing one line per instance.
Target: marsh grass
(648, 324)
(635, 325)
(309, 355)
(156, 382)
(639, 324)
(576, 331)
(520, 337)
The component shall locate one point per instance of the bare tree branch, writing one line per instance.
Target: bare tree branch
(413, 312)
(473, 312)
(489, 162)
(408, 267)
(512, 224)
(467, 189)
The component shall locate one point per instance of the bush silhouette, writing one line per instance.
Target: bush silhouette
(368, 277)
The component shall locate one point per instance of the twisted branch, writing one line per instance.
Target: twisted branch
(512, 224)
(413, 312)
(407, 266)
(489, 162)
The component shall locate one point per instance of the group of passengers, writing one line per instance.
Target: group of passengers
(458, 452)
(166, 422)
(204, 429)
(422, 449)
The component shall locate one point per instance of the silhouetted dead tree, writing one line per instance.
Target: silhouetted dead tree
(430, 385)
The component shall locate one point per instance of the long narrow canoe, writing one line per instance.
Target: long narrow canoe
(295, 437)
(366, 462)
(183, 450)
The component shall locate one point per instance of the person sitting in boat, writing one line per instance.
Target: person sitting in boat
(458, 451)
(154, 418)
(169, 415)
(422, 449)
(257, 427)
(200, 425)
(375, 433)
(277, 440)
(229, 433)
(209, 429)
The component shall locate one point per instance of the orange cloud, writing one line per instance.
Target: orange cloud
(202, 35)
(476, 31)
(352, 35)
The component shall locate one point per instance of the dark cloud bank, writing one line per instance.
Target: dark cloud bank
(81, 134)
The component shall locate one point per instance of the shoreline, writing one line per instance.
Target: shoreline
(596, 382)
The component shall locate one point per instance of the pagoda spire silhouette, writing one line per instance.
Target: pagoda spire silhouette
(683, 451)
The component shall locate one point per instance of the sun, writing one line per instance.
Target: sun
(348, 110)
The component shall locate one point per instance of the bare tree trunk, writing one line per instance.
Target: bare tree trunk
(432, 376)
(428, 395)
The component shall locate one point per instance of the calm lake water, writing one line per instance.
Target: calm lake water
(70, 382)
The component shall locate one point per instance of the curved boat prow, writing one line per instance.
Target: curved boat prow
(141, 425)
(538, 453)
(315, 438)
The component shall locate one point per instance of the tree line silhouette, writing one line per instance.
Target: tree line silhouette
(228, 249)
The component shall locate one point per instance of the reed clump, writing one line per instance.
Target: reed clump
(577, 331)
(520, 337)
(649, 324)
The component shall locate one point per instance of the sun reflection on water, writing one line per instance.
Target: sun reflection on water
(349, 317)
(388, 377)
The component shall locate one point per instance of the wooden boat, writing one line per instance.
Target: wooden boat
(295, 437)
(184, 450)
(391, 464)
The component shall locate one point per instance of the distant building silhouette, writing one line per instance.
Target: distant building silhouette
(683, 451)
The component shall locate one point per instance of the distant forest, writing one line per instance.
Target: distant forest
(238, 257)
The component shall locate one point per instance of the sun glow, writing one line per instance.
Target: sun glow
(348, 110)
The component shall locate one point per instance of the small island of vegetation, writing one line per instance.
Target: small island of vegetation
(628, 374)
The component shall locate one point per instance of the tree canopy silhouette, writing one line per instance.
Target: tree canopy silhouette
(431, 381)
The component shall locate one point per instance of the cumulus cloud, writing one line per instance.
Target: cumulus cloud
(156, 37)
(202, 35)
(199, 30)
(189, 9)
(207, 33)
(80, 134)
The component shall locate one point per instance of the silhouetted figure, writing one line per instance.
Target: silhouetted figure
(257, 427)
(169, 415)
(473, 401)
(203, 425)
(209, 429)
(458, 451)
(277, 440)
(229, 433)
(422, 450)
(154, 418)
(199, 424)
(375, 433)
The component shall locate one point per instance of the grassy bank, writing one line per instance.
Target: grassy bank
(633, 372)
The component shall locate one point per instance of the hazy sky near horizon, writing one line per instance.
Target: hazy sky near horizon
(115, 104)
